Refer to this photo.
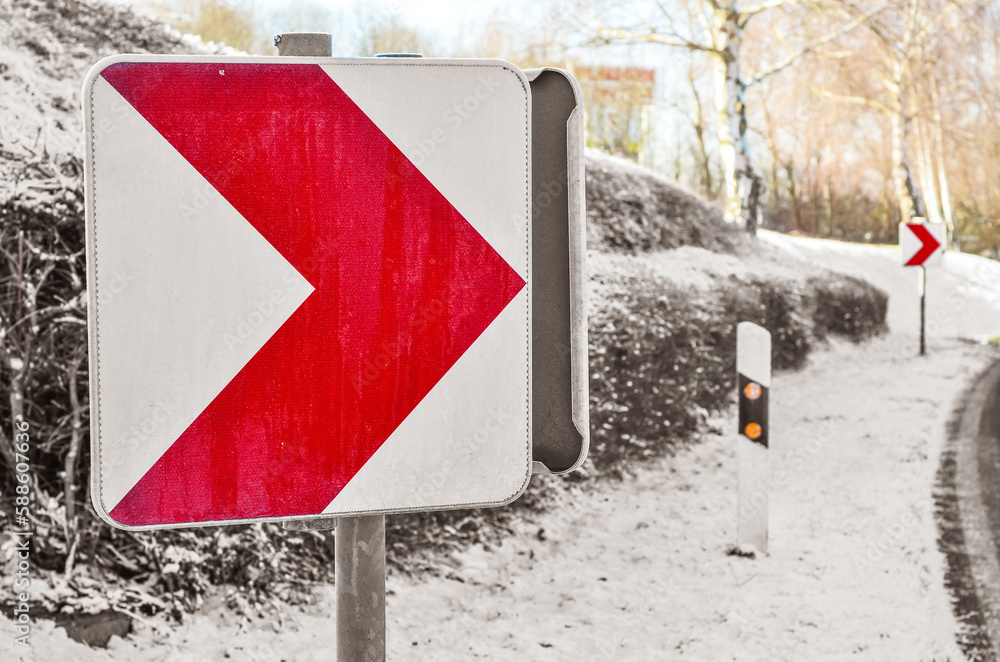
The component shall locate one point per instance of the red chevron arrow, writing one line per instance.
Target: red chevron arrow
(398, 274)
(930, 244)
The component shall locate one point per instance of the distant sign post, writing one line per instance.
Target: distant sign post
(753, 379)
(921, 245)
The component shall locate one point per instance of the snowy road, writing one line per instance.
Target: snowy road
(638, 570)
(969, 515)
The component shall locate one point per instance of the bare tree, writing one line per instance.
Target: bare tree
(700, 126)
(219, 21)
(717, 29)
(387, 34)
(896, 74)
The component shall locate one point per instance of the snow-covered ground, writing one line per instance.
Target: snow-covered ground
(638, 570)
(963, 293)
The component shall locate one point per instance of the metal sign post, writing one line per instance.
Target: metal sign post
(753, 378)
(923, 309)
(921, 244)
(360, 578)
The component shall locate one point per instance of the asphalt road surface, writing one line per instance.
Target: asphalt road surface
(968, 503)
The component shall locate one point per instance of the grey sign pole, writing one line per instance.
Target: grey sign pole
(360, 541)
(923, 309)
(360, 576)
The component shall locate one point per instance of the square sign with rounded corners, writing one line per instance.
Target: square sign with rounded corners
(308, 286)
(921, 244)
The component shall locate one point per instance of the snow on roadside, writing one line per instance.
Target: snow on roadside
(963, 293)
(637, 570)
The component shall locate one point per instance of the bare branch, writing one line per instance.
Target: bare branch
(52, 313)
(76, 440)
(791, 58)
(613, 35)
(856, 100)
(764, 6)
(52, 257)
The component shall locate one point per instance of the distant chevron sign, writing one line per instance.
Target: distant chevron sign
(921, 244)
(289, 316)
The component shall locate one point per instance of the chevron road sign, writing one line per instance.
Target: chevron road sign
(921, 244)
(295, 308)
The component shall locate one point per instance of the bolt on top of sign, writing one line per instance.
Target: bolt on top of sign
(308, 283)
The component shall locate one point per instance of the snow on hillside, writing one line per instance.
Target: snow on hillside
(46, 48)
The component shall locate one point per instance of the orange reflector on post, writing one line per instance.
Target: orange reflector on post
(752, 390)
(752, 430)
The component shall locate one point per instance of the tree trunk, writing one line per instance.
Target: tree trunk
(707, 185)
(912, 187)
(899, 188)
(773, 183)
(745, 183)
(946, 211)
(727, 153)
(926, 173)
(7, 443)
(76, 441)
(827, 207)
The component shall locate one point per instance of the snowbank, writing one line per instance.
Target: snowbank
(963, 294)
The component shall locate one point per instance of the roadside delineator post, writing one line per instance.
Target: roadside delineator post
(359, 542)
(753, 378)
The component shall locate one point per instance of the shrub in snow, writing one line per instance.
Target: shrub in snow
(663, 358)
